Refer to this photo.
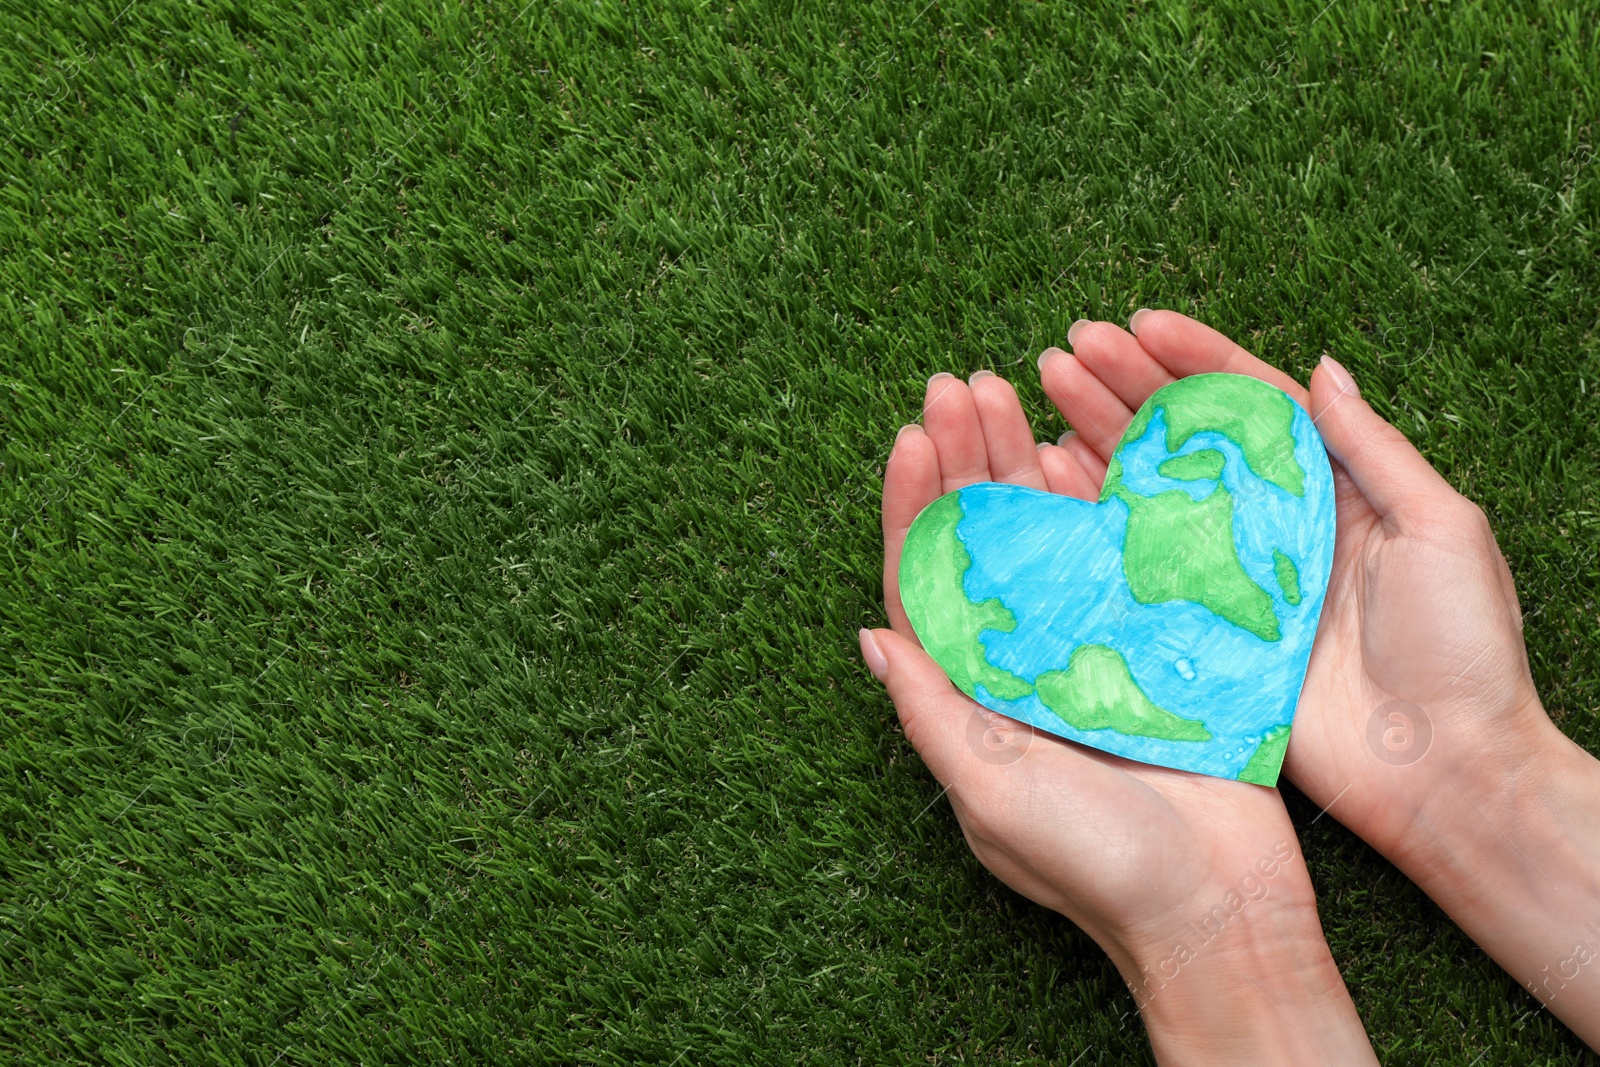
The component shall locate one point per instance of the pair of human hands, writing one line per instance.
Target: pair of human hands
(1192, 883)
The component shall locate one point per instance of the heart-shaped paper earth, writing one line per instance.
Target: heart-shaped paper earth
(1172, 621)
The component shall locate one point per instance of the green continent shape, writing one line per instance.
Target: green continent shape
(933, 574)
(1141, 422)
(1097, 692)
(1254, 415)
(1202, 466)
(1288, 576)
(1180, 548)
(1267, 758)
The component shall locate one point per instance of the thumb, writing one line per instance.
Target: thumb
(1385, 467)
(937, 717)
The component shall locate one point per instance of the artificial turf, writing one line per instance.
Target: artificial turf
(441, 455)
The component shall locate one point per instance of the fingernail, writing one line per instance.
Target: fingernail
(941, 374)
(1047, 355)
(1042, 445)
(1133, 320)
(1072, 331)
(980, 374)
(1340, 376)
(908, 427)
(877, 662)
(1064, 438)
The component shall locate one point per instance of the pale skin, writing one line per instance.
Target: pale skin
(1496, 820)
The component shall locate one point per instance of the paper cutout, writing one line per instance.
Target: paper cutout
(1172, 621)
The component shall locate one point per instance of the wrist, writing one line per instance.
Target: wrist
(1507, 843)
(1406, 806)
(1505, 767)
(1514, 785)
(1246, 977)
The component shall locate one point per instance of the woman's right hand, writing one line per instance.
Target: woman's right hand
(1418, 726)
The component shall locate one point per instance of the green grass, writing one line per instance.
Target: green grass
(440, 467)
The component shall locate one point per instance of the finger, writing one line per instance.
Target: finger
(1013, 455)
(935, 714)
(1353, 518)
(1184, 346)
(1092, 409)
(1065, 475)
(910, 483)
(1113, 355)
(1388, 470)
(1087, 458)
(952, 422)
